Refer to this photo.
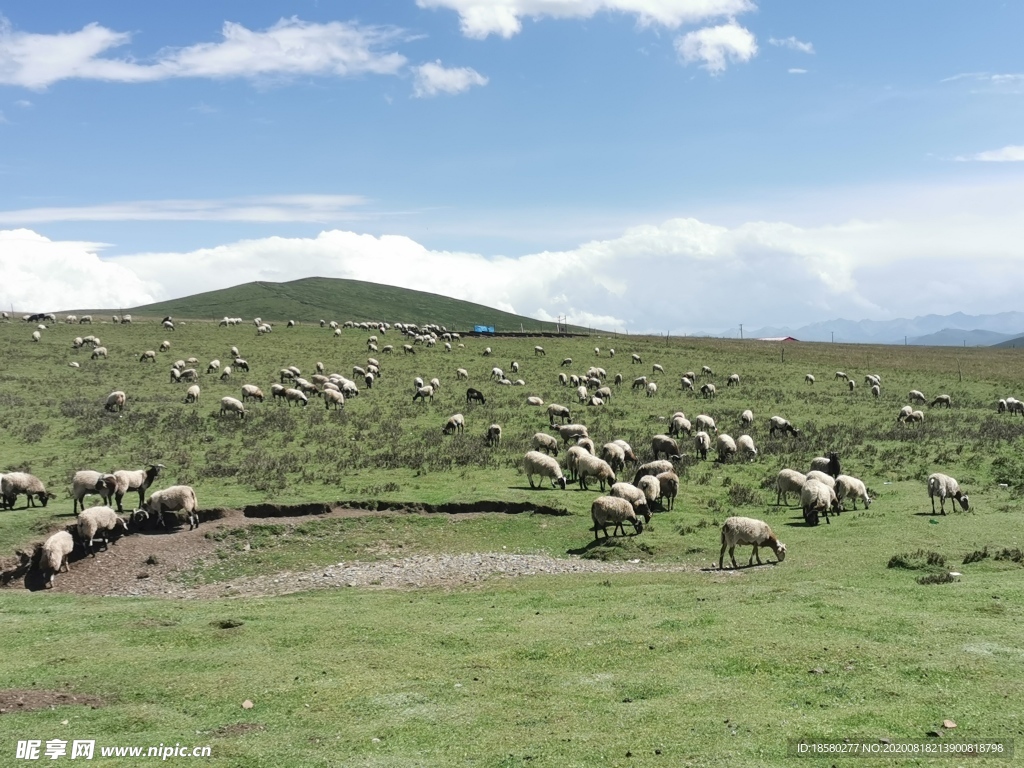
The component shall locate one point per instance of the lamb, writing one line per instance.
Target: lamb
(614, 455)
(582, 394)
(665, 444)
(231, 405)
(14, 483)
(816, 499)
(493, 436)
(611, 510)
(636, 498)
(422, 393)
(115, 401)
(747, 418)
(853, 384)
(788, 481)
(98, 521)
(809, 378)
(702, 444)
(827, 464)
(726, 447)
(734, 378)
(53, 557)
(192, 394)
(708, 391)
(177, 498)
(560, 412)
(745, 444)
(876, 391)
(456, 423)
(226, 373)
(86, 482)
(333, 397)
(904, 413)
(514, 367)
(135, 480)
(916, 396)
(251, 392)
(536, 463)
(652, 468)
(945, 400)
(668, 488)
(678, 425)
(706, 424)
(853, 488)
(571, 432)
(545, 442)
(945, 486)
(652, 389)
(36, 335)
(295, 396)
(747, 530)
(686, 383)
(591, 466)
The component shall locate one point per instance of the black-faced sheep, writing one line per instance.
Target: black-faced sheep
(848, 487)
(663, 444)
(827, 464)
(788, 481)
(546, 443)
(493, 436)
(138, 480)
(455, 424)
(475, 395)
(13, 484)
(233, 406)
(941, 400)
(115, 401)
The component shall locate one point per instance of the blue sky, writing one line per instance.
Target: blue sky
(676, 165)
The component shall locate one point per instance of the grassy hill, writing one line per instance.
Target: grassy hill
(314, 298)
(1015, 343)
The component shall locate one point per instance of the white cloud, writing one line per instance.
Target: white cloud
(1009, 154)
(23, 103)
(279, 208)
(792, 43)
(431, 79)
(480, 18)
(288, 48)
(715, 47)
(1007, 83)
(796, 71)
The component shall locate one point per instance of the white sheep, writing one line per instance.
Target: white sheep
(945, 486)
(827, 464)
(747, 418)
(652, 468)
(231, 405)
(462, 374)
(702, 444)
(614, 455)
(87, 482)
(669, 488)
(708, 391)
(916, 396)
(841, 375)
(809, 378)
(115, 401)
(876, 391)
(192, 394)
(135, 480)
(652, 389)
(853, 384)
(571, 458)
(36, 335)
(422, 393)
(99, 352)
(822, 477)
(747, 530)
(165, 345)
(904, 413)
(705, 423)
(651, 487)
(657, 369)
(53, 556)
(591, 466)
(945, 400)
(916, 417)
(786, 482)
(536, 463)
(634, 496)
(493, 436)
(98, 521)
(745, 445)
(636, 359)
(14, 484)
(213, 366)
(455, 424)
(816, 499)
(333, 397)
(545, 442)
(687, 383)
(849, 487)
(611, 510)
(571, 432)
(678, 425)
(734, 378)
(538, 350)
(626, 449)
(177, 498)
(726, 447)
(560, 412)
(296, 396)
(226, 373)
(666, 445)
(251, 392)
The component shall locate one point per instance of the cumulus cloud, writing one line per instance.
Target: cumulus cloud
(714, 47)
(792, 43)
(481, 18)
(1009, 154)
(42, 274)
(288, 48)
(432, 78)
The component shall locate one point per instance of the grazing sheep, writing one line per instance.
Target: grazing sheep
(652, 389)
(168, 325)
(99, 352)
(497, 373)
(333, 397)
(192, 394)
(86, 482)
(422, 393)
(231, 405)
(745, 445)
(640, 382)
(591, 466)
(945, 486)
(539, 351)
(213, 366)
(36, 335)
(687, 383)
(665, 444)
(177, 498)
(827, 464)
(821, 477)
(788, 481)
(571, 432)
(726, 447)
(916, 396)
(848, 487)
(747, 530)
(571, 458)
(904, 413)
(456, 423)
(708, 391)
(618, 379)
(706, 424)
(702, 444)
(165, 345)
(637, 359)
(475, 394)
(240, 364)
(560, 412)
(945, 400)
(651, 487)
(657, 369)
(493, 436)
(654, 468)
(565, 363)
(251, 392)
(747, 418)
(115, 401)
(853, 384)
(295, 396)
(536, 463)
(514, 367)
(595, 401)
(636, 498)
(611, 510)
(487, 351)
(73, 364)
(53, 557)
(916, 417)
(588, 445)
(871, 379)
(816, 499)
(545, 442)
(627, 450)
(734, 378)
(462, 374)
(582, 394)
(189, 374)
(614, 455)
(1015, 406)
(679, 424)
(14, 484)
(668, 483)
(809, 378)
(98, 521)
(226, 373)
(841, 375)
(876, 391)
(149, 355)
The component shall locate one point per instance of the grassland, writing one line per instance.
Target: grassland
(695, 668)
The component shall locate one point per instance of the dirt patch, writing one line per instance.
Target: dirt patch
(237, 729)
(31, 700)
(453, 508)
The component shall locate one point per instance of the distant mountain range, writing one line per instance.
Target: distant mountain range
(928, 330)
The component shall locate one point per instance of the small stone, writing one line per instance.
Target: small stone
(247, 704)
(375, 740)
(948, 724)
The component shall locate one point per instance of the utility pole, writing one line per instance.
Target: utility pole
(833, 337)
(741, 331)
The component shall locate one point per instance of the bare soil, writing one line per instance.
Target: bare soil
(30, 700)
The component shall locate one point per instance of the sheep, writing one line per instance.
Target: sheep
(876, 391)
(251, 392)
(686, 383)
(168, 325)
(563, 379)
(571, 432)
(558, 411)
(416, 383)
(582, 394)
(36, 335)
(945, 486)
(296, 396)
(627, 450)
(652, 468)
(618, 379)
(747, 418)
(841, 375)
(74, 364)
(98, 521)
(115, 401)
(565, 363)
(226, 373)
(816, 499)
(853, 384)
(637, 359)
(422, 393)
(916, 416)
(77, 342)
(192, 394)
(407, 349)
(668, 483)
(456, 423)
(904, 413)
(125, 319)
(872, 379)
(538, 350)
(213, 366)
(135, 480)
(497, 373)
(595, 401)
(945, 400)
(636, 498)
(333, 397)
(745, 444)
(708, 391)
(652, 389)
(99, 352)
(462, 374)
(706, 371)
(809, 378)
(916, 396)
(177, 498)
(149, 355)
(827, 464)
(665, 444)
(86, 482)
(657, 369)
(706, 424)
(611, 353)
(536, 463)
(544, 442)
(53, 557)
(702, 444)
(189, 374)
(240, 364)
(747, 530)
(821, 477)
(276, 392)
(231, 405)
(640, 382)
(786, 482)
(493, 436)
(614, 455)
(726, 447)
(534, 401)
(571, 458)
(165, 345)
(851, 487)
(678, 425)
(651, 487)
(1015, 406)
(475, 394)
(487, 352)
(611, 510)
(514, 367)
(591, 466)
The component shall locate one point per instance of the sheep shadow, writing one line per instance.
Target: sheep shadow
(741, 567)
(596, 543)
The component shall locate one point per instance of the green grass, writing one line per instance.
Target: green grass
(717, 668)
